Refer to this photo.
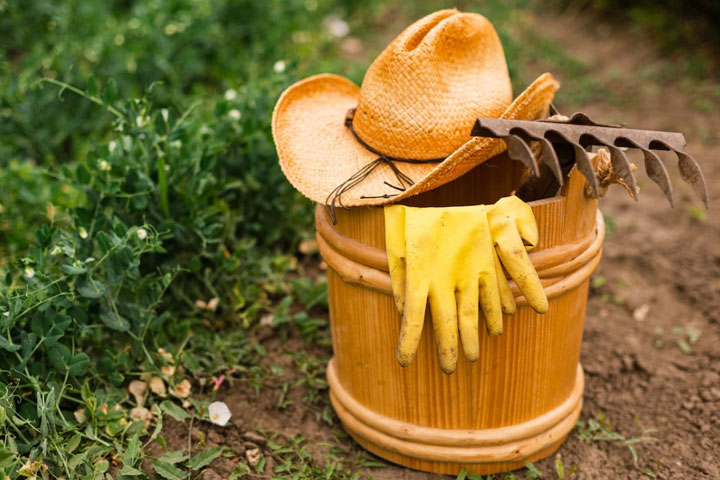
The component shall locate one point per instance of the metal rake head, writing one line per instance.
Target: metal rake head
(580, 133)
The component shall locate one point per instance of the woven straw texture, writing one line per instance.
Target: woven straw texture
(419, 100)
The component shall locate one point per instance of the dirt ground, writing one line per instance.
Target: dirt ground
(651, 348)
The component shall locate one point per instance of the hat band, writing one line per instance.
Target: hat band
(335, 196)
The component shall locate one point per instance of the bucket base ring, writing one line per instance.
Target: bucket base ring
(447, 451)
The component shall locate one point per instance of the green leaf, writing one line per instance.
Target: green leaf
(92, 289)
(59, 357)
(77, 364)
(83, 175)
(205, 457)
(462, 475)
(115, 321)
(73, 269)
(168, 471)
(73, 443)
(109, 92)
(5, 344)
(132, 451)
(559, 468)
(102, 466)
(176, 456)
(129, 471)
(174, 411)
(6, 456)
(533, 473)
(91, 85)
(75, 460)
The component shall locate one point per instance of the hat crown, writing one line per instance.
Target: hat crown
(421, 95)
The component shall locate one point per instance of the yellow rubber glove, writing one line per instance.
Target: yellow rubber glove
(445, 255)
(514, 233)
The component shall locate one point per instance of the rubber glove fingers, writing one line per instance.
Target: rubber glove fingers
(524, 219)
(421, 253)
(445, 325)
(507, 299)
(395, 246)
(490, 302)
(468, 319)
(413, 319)
(506, 218)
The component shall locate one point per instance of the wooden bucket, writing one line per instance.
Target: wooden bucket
(522, 397)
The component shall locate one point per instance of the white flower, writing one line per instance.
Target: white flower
(112, 146)
(164, 113)
(55, 251)
(140, 120)
(230, 94)
(279, 66)
(219, 413)
(142, 233)
(234, 114)
(29, 272)
(83, 233)
(336, 26)
(104, 166)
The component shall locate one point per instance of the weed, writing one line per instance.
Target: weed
(600, 430)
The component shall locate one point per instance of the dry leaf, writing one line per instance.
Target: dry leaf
(137, 389)
(142, 414)
(181, 389)
(253, 456)
(213, 304)
(79, 415)
(168, 370)
(157, 386)
(308, 247)
(167, 356)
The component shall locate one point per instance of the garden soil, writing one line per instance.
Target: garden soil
(651, 349)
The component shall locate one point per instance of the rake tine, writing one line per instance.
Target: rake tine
(621, 166)
(658, 173)
(550, 159)
(519, 150)
(582, 160)
(691, 174)
(586, 168)
(655, 170)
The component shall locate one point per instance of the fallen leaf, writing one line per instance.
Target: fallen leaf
(137, 389)
(181, 389)
(157, 386)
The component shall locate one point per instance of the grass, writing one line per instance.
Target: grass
(600, 430)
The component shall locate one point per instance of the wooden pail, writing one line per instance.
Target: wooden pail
(522, 397)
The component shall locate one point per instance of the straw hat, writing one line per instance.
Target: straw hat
(410, 128)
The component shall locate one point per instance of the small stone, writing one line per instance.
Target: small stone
(641, 313)
(687, 405)
(628, 363)
(707, 395)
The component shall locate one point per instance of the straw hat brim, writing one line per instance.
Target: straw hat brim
(318, 152)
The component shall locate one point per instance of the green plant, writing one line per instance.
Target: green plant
(600, 430)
